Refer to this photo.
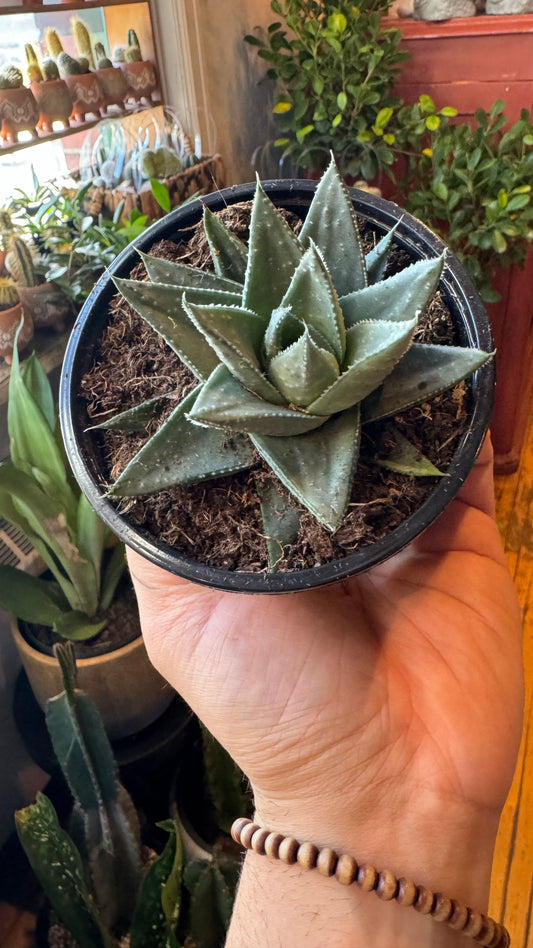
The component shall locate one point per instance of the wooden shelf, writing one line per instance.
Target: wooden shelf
(62, 7)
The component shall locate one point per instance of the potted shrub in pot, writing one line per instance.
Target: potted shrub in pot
(83, 594)
(279, 355)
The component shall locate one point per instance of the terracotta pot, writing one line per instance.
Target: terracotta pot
(9, 323)
(141, 79)
(47, 305)
(128, 691)
(87, 96)
(19, 112)
(54, 101)
(114, 86)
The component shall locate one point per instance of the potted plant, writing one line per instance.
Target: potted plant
(50, 92)
(139, 73)
(239, 388)
(82, 595)
(18, 109)
(83, 85)
(10, 318)
(102, 885)
(111, 79)
(46, 302)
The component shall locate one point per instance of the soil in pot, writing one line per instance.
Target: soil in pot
(218, 522)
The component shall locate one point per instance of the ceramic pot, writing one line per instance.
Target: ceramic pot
(129, 693)
(472, 328)
(19, 112)
(9, 323)
(443, 9)
(54, 101)
(87, 96)
(141, 80)
(114, 86)
(47, 304)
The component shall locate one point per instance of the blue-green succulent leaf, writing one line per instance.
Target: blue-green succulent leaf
(303, 371)
(281, 521)
(225, 403)
(406, 458)
(236, 335)
(372, 351)
(332, 225)
(133, 419)
(273, 255)
(424, 371)
(228, 253)
(182, 453)
(182, 275)
(376, 260)
(312, 298)
(402, 296)
(283, 329)
(317, 468)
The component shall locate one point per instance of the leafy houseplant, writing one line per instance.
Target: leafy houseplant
(471, 184)
(335, 68)
(292, 342)
(74, 598)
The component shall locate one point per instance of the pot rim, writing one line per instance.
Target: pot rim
(472, 325)
(111, 654)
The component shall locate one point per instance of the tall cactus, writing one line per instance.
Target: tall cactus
(53, 43)
(9, 295)
(82, 38)
(19, 262)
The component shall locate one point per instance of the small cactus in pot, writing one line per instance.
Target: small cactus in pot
(82, 39)
(296, 344)
(11, 316)
(45, 301)
(111, 78)
(139, 73)
(18, 109)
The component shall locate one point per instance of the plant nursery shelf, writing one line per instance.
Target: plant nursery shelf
(54, 7)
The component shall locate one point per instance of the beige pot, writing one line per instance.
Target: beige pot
(129, 693)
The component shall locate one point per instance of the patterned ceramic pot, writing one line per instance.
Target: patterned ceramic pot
(141, 79)
(54, 101)
(19, 112)
(114, 86)
(87, 96)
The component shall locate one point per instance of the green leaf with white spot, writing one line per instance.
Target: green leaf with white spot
(311, 297)
(303, 371)
(229, 254)
(401, 297)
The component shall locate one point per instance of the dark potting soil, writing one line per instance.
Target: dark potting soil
(218, 522)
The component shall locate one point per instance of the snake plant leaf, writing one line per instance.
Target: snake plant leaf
(303, 371)
(161, 305)
(281, 522)
(402, 296)
(224, 402)
(273, 255)
(405, 458)
(317, 468)
(92, 535)
(372, 350)
(376, 260)
(229, 254)
(58, 866)
(36, 381)
(31, 598)
(176, 274)
(182, 453)
(158, 903)
(311, 297)
(424, 371)
(76, 627)
(331, 224)
(133, 419)
(236, 336)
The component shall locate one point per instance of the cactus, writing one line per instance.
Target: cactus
(99, 51)
(49, 70)
(19, 262)
(31, 56)
(295, 342)
(84, 64)
(53, 43)
(119, 54)
(99, 890)
(133, 54)
(132, 38)
(82, 39)
(159, 163)
(11, 77)
(9, 295)
(67, 65)
(34, 72)
(6, 228)
(104, 63)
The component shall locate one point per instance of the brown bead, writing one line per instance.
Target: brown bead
(424, 900)
(367, 878)
(346, 871)
(307, 855)
(238, 827)
(327, 861)
(407, 892)
(247, 832)
(459, 916)
(258, 840)
(442, 908)
(272, 844)
(474, 924)
(387, 886)
(288, 850)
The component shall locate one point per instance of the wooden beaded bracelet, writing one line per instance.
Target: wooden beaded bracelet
(346, 870)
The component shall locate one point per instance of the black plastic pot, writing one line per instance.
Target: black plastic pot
(471, 324)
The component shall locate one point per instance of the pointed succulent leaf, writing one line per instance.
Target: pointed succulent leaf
(211, 902)
(273, 255)
(236, 336)
(182, 275)
(182, 453)
(225, 403)
(376, 260)
(281, 521)
(303, 371)
(161, 306)
(158, 903)
(283, 329)
(332, 225)
(317, 468)
(228, 253)
(405, 458)
(402, 296)
(312, 298)
(133, 419)
(372, 351)
(424, 371)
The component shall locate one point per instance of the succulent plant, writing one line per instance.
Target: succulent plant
(82, 39)
(132, 38)
(20, 262)
(104, 63)
(133, 54)
(11, 77)
(33, 69)
(9, 295)
(53, 43)
(100, 56)
(295, 342)
(84, 64)
(159, 162)
(49, 69)
(67, 65)
(119, 54)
